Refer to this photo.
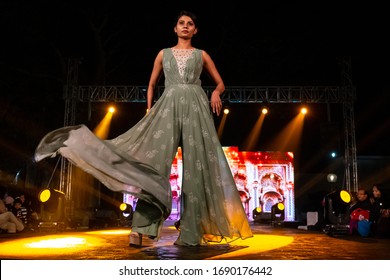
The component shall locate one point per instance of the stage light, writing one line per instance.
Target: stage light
(127, 213)
(277, 214)
(332, 178)
(111, 109)
(264, 111)
(52, 209)
(256, 212)
(259, 216)
(44, 195)
(51, 198)
(336, 212)
(226, 111)
(126, 209)
(304, 110)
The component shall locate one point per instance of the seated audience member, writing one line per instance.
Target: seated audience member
(8, 221)
(359, 211)
(31, 206)
(353, 201)
(362, 200)
(9, 202)
(380, 214)
(19, 210)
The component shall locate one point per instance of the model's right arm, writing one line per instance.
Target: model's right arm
(154, 77)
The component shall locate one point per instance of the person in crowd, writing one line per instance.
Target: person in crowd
(359, 210)
(20, 211)
(9, 201)
(354, 200)
(362, 200)
(380, 214)
(139, 161)
(8, 221)
(31, 208)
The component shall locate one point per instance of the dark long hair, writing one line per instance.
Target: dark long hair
(385, 199)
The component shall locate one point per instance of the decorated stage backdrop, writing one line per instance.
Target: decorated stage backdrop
(262, 178)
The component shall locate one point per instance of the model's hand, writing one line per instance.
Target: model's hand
(216, 103)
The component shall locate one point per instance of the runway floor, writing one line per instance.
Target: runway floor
(268, 243)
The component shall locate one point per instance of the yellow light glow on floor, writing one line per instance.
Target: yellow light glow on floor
(48, 245)
(110, 232)
(57, 243)
(254, 245)
(58, 246)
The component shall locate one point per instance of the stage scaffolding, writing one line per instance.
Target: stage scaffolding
(345, 95)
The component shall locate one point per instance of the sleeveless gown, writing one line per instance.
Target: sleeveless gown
(139, 161)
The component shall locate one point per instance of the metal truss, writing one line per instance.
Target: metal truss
(233, 94)
(69, 119)
(73, 93)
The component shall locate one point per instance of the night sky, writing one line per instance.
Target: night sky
(269, 44)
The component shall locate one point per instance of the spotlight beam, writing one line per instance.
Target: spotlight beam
(289, 137)
(253, 137)
(103, 128)
(222, 124)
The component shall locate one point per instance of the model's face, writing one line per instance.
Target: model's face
(185, 27)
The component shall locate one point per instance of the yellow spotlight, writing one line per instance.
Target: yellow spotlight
(127, 213)
(126, 209)
(264, 111)
(336, 215)
(339, 197)
(345, 196)
(44, 195)
(226, 111)
(111, 109)
(277, 214)
(52, 209)
(304, 110)
(280, 206)
(256, 214)
(49, 196)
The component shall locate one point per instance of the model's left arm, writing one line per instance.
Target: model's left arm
(215, 101)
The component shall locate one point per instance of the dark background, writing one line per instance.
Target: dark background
(257, 43)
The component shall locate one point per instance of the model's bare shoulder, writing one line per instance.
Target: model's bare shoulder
(206, 57)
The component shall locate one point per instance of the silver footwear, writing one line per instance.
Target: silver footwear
(139, 240)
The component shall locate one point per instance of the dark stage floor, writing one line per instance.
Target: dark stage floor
(269, 243)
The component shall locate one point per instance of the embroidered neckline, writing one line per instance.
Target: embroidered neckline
(181, 56)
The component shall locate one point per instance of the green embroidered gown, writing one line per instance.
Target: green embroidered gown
(139, 161)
